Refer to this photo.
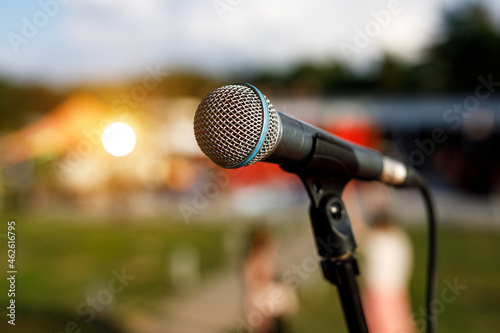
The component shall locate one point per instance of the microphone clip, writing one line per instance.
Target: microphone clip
(336, 243)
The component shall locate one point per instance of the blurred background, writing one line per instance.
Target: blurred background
(157, 240)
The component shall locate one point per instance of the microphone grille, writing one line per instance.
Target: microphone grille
(235, 126)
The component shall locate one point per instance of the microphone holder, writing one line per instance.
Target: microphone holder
(336, 243)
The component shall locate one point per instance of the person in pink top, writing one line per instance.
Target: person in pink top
(388, 263)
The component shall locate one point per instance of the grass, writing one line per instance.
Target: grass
(60, 264)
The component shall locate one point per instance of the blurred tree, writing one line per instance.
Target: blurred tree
(185, 84)
(327, 78)
(20, 104)
(467, 49)
(9, 95)
(394, 76)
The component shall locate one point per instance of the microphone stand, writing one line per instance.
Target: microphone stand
(336, 244)
(331, 225)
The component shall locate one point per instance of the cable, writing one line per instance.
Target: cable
(432, 260)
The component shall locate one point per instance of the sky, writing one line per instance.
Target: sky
(65, 42)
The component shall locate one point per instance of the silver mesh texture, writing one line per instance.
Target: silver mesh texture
(271, 136)
(228, 125)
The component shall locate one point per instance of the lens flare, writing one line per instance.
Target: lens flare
(118, 139)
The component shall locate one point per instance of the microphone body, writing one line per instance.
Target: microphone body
(302, 146)
(237, 125)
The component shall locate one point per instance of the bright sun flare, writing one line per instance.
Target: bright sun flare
(118, 139)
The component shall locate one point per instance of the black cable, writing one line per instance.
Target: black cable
(432, 260)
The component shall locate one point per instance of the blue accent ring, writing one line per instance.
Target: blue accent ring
(264, 130)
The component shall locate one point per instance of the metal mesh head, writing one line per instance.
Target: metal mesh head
(229, 126)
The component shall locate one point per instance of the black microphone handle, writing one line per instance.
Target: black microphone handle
(302, 146)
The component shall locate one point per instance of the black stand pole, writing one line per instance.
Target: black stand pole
(336, 244)
(342, 273)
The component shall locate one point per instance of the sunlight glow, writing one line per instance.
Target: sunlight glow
(118, 139)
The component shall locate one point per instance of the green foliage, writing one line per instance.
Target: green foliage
(58, 262)
(21, 104)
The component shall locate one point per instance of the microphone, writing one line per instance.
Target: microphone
(236, 126)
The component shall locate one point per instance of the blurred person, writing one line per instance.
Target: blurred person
(266, 301)
(387, 266)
